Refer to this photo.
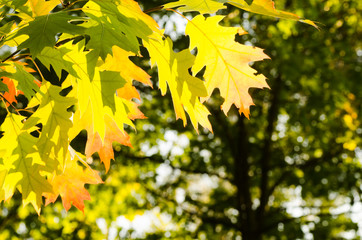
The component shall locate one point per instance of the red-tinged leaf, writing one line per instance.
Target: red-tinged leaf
(133, 110)
(105, 149)
(226, 61)
(70, 185)
(94, 142)
(11, 95)
(12, 84)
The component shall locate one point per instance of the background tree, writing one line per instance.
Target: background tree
(291, 172)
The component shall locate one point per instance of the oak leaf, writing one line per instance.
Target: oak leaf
(43, 29)
(11, 92)
(70, 185)
(94, 142)
(22, 162)
(227, 62)
(19, 80)
(55, 57)
(121, 15)
(121, 63)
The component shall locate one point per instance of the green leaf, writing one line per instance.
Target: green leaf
(25, 81)
(17, 5)
(42, 31)
(103, 36)
(125, 16)
(6, 28)
(54, 57)
(3, 87)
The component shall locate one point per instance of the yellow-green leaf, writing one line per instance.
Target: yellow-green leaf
(53, 115)
(23, 163)
(185, 89)
(202, 6)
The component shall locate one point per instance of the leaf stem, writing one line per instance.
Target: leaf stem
(154, 9)
(40, 73)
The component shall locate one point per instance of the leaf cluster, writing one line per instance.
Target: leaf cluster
(87, 48)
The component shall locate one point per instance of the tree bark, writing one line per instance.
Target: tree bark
(246, 219)
(266, 154)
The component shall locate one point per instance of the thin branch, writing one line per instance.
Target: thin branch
(65, 41)
(183, 169)
(291, 219)
(11, 55)
(308, 164)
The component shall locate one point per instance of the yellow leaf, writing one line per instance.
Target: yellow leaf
(97, 92)
(266, 7)
(42, 7)
(227, 62)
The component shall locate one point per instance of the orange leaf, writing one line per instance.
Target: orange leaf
(10, 96)
(70, 185)
(128, 92)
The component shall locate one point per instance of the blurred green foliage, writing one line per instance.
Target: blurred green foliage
(293, 171)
